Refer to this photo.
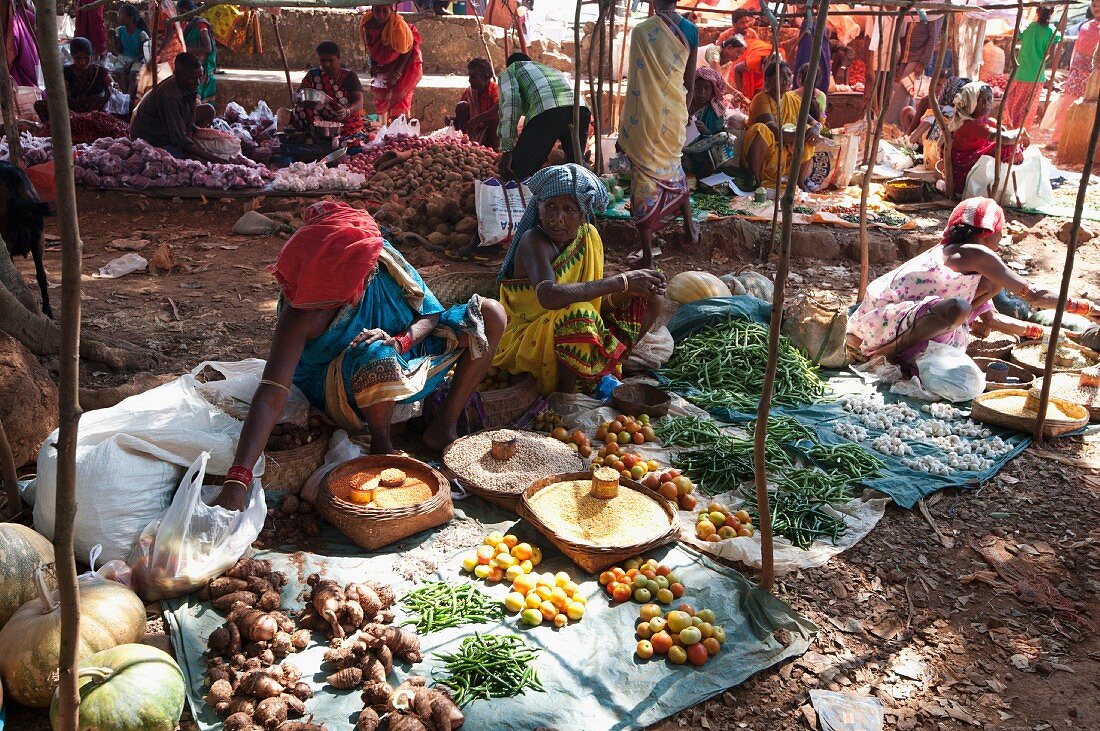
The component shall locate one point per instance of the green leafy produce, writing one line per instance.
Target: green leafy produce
(722, 367)
(490, 666)
(440, 605)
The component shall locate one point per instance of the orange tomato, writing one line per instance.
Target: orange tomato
(687, 502)
(744, 531)
(677, 590)
(712, 645)
(668, 491)
(615, 426)
(618, 571)
(644, 649)
(606, 578)
(663, 570)
(524, 584)
(621, 592)
(687, 608)
(743, 516)
(549, 611)
(661, 642)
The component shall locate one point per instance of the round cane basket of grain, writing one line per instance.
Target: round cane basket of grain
(1018, 408)
(420, 498)
(597, 532)
(1074, 388)
(498, 465)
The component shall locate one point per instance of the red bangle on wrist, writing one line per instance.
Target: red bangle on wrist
(404, 342)
(1078, 306)
(239, 474)
(1033, 331)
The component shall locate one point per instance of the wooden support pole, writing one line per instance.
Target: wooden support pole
(8, 472)
(69, 377)
(577, 149)
(872, 156)
(622, 65)
(1014, 62)
(155, 40)
(941, 120)
(1067, 275)
(766, 250)
(767, 557)
(282, 55)
(485, 43)
(11, 122)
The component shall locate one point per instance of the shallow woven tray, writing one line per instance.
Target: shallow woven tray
(1026, 377)
(456, 288)
(1032, 357)
(507, 500)
(503, 406)
(287, 470)
(985, 409)
(1064, 386)
(373, 528)
(590, 557)
(998, 345)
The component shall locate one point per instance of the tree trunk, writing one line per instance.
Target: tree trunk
(9, 475)
(13, 280)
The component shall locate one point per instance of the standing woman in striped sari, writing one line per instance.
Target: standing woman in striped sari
(659, 87)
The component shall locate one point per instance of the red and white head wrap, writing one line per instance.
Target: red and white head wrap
(983, 213)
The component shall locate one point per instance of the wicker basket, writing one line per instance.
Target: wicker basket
(373, 528)
(589, 557)
(1032, 357)
(503, 406)
(287, 470)
(507, 500)
(985, 409)
(999, 347)
(905, 190)
(1024, 375)
(1064, 386)
(635, 399)
(456, 288)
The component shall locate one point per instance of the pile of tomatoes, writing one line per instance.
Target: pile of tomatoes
(683, 635)
(553, 598)
(717, 523)
(643, 581)
(674, 486)
(576, 439)
(626, 430)
(502, 557)
(630, 465)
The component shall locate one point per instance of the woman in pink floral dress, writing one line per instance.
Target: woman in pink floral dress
(946, 292)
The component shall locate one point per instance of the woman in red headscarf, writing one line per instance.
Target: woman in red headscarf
(359, 332)
(946, 292)
(395, 61)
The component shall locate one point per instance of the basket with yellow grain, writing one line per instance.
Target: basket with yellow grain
(597, 519)
(1018, 409)
(379, 499)
(1069, 358)
(498, 465)
(1078, 388)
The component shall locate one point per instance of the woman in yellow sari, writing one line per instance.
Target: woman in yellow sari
(567, 322)
(768, 116)
(654, 122)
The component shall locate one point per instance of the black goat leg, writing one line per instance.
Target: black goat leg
(40, 275)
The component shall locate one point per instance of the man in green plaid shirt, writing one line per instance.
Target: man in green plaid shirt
(544, 99)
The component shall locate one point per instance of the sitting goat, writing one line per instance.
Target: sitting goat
(21, 222)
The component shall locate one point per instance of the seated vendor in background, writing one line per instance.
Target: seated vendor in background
(768, 115)
(946, 292)
(87, 85)
(478, 113)
(707, 108)
(974, 133)
(567, 322)
(358, 332)
(165, 117)
(720, 56)
(340, 84)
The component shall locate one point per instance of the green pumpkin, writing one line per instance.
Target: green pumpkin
(21, 552)
(30, 643)
(128, 688)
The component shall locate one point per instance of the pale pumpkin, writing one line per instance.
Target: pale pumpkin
(30, 643)
(128, 688)
(688, 287)
(21, 552)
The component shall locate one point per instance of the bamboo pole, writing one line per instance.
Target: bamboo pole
(1067, 275)
(576, 131)
(941, 120)
(155, 39)
(8, 472)
(282, 55)
(11, 122)
(622, 62)
(485, 43)
(767, 558)
(597, 102)
(766, 251)
(69, 379)
(1014, 62)
(872, 155)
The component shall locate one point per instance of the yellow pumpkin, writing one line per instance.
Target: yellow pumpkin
(21, 552)
(30, 643)
(687, 287)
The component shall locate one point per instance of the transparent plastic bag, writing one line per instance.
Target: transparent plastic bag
(847, 712)
(233, 393)
(119, 103)
(193, 541)
(115, 570)
(950, 373)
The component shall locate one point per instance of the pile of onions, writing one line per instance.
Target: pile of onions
(123, 163)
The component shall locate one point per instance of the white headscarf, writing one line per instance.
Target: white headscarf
(966, 101)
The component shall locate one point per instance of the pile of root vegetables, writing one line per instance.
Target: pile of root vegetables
(124, 163)
(255, 688)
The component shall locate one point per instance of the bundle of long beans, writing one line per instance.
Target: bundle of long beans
(850, 460)
(490, 666)
(726, 463)
(688, 431)
(798, 505)
(440, 605)
(722, 366)
(785, 430)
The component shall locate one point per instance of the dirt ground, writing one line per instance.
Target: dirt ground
(913, 614)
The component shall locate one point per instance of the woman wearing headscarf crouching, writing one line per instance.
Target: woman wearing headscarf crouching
(567, 322)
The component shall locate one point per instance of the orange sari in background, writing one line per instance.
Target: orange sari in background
(400, 70)
(755, 56)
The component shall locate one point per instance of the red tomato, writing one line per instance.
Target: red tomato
(697, 654)
(649, 574)
(677, 590)
(687, 608)
(663, 570)
(712, 645)
(606, 578)
(638, 438)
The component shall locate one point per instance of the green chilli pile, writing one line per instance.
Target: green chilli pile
(722, 367)
(440, 605)
(490, 666)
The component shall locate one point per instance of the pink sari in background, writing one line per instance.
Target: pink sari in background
(22, 46)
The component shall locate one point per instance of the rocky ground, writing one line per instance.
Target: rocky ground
(913, 614)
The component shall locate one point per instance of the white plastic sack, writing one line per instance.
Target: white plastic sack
(340, 450)
(651, 352)
(234, 393)
(445, 134)
(194, 541)
(499, 209)
(1028, 184)
(129, 461)
(950, 373)
(119, 103)
(123, 265)
(400, 126)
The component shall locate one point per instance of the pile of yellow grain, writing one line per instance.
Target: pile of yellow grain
(537, 456)
(569, 509)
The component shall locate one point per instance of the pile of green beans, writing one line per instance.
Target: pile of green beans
(722, 366)
(441, 605)
(801, 518)
(850, 460)
(724, 465)
(490, 666)
(821, 486)
(786, 430)
(688, 431)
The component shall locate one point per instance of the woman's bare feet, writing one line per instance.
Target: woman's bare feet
(692, 233)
